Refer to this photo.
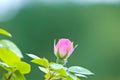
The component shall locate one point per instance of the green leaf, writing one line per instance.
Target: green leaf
(8, 57)
(78, 79)
(56, 78)
(33, 56)
(67, 78)
(45, 70)
(59, 69)
(41, 61)
(80, 75)
(4, 65)
(23, 67)
(56, 66)
(47, 76)
(61, 72)
(11, 46)
(14, 76)
(18, 75)
(80, 70)
(72, 76)
(4, 32)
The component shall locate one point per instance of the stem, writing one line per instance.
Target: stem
(61, 61)
(9, 77)
(51, 74)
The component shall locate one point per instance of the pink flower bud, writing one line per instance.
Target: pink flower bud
(64, 48)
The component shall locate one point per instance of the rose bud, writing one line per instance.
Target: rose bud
(63, 49)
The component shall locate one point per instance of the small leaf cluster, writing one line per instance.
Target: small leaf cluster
(55, 71)
(11, 65)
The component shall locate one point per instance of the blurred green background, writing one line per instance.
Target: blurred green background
(94, 27)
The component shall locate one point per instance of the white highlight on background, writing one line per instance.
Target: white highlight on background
(10, 8)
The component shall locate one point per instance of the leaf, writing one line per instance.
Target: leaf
(78, 79)
(79, 70)
(56, 66)
(4, 64)
(80, 75)
(33, 56)
(72, 76)
(8, 57)
(43, 69)
(59, 69)
(41, 61)
(23, 67)
(67, 78)
(47, 76)
(56, 78)
(1, 45)
(18, 75)
(14, 76)
(11, 46)
(62, 72)
(4, 32)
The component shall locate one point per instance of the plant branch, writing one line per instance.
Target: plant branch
(9, 77)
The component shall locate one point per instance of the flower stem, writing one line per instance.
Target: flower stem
(61, 61)
(9, 77)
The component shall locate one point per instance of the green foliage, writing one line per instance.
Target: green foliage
(79, 70)
(55, 71)
(11, 46)
(42, 62)
(11, 65)
(4, 32)
(23, 67)
(13, 68)
(8, 56)
(19, 75)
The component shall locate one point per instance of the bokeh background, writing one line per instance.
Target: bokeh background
(92, 24)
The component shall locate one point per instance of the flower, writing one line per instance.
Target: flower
(64, 48)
